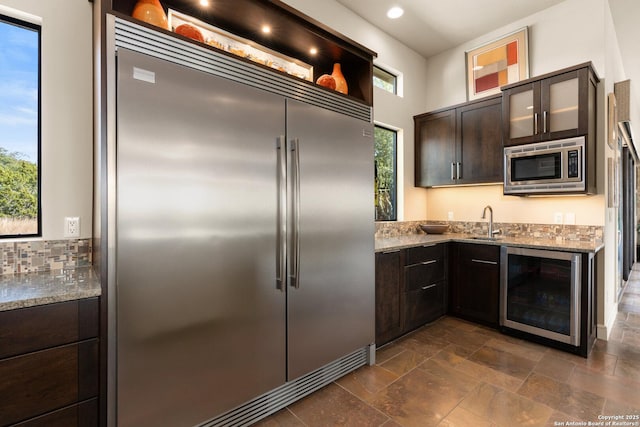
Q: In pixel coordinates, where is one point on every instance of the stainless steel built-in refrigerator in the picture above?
(244, 241)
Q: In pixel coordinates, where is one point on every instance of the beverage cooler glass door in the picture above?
(540, 293)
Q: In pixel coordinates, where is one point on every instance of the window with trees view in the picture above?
(19, 128)
(385, 173)
(385, 80)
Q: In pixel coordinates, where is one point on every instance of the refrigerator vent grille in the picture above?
(145, 40)
(288, 393)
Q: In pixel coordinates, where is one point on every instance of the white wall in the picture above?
(67, 111)
(567, 34)
(396, 112)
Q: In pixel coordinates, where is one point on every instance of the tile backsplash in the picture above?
(44, 255)
(581, 233)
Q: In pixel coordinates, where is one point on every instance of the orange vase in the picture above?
(151, 11)
(341, 83)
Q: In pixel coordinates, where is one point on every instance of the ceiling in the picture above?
(433, 26)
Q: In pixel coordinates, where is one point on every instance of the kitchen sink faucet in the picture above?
(484, 214)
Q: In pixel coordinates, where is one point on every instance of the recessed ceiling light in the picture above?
(395, 12)
(313, 51)
(204, 3)
(266, 29)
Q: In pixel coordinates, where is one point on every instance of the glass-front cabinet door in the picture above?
(551, 108)
(523, 106)
(563, 106)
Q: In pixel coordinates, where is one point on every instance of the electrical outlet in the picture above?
(570, 218)
(557, 218)
(72, 226)
(450, 216)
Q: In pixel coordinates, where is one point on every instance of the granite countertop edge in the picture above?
(34, 289)
(413, 240)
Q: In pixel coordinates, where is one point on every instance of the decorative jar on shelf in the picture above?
(151, 12)
(341, 83)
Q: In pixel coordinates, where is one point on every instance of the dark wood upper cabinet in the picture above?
(293, 34)
(553, 106)
(460, 145)
(479, 142)
(434, 151)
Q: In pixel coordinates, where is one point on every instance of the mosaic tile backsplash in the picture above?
(582, 233)
(47, 255)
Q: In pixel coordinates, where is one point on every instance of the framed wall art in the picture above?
(497, 63)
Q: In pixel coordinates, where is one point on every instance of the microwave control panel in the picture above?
(573, 164)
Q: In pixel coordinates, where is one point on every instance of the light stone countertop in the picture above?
(32, 289)
(413, 240)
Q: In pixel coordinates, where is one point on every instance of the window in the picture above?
(385, 173)
(385, 80)
(19, 128)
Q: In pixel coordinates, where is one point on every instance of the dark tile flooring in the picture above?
(455, 373)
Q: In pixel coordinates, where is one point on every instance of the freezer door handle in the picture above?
(295, 213)
(281, 237)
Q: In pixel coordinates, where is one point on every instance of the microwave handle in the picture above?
(535, 123)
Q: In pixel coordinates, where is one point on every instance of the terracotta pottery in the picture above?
(151, 11)
(341, 83)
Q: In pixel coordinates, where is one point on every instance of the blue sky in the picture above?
(19, 90)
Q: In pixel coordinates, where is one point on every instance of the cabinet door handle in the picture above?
(458, 174)
(424, 288)
(391, 252)
(431, 261)
(535, 123)
(453, 171)
(428, 246)
(544, 122)
(481, 261)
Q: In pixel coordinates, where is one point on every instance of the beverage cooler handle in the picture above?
(295, 207)
(281, 233)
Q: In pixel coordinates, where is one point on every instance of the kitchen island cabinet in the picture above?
(460, 145)
(49, 365)
(475, 282)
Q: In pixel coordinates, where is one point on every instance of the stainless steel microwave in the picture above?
(545, 167)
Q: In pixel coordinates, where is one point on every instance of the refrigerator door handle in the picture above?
(281, 233)
(295, 213)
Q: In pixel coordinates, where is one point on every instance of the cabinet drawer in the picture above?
(418, 276)
(40, 382)
(83, 414)
(478, 253)
(424, 253)
(425, 305)
(36, 328)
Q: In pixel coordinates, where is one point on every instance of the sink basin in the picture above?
(492, 239)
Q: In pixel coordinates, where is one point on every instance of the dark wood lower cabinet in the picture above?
(78, 415)
(411, 289)
(389, 296)
(425, 305)
(475, 282)
(52, 381)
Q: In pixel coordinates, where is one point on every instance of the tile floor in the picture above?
(456, 373)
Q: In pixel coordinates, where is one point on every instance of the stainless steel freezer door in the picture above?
(331, 308)
(200, 320)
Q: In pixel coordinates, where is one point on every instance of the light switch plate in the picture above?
(450, 216)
